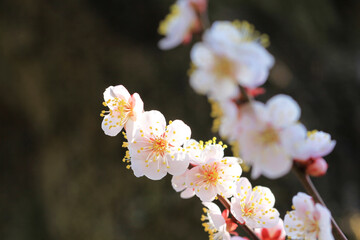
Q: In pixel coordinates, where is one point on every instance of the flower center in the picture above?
(248, 210)
(223, 68)
(118, 109)
(269, 136)
(159, 145)
(210, 173)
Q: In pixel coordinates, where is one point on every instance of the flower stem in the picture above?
(311, 189)
(225, 202)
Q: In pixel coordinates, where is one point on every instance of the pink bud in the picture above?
(317, 168)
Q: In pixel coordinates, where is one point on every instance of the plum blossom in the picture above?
(218, 225)
(124, 109)
(229, 55)
(308, 220)
(310, 151)
(179, 184)
(275, 233)
(156, 149)
(267, 135)
(179, 24)
(254, 206)
(215, 173)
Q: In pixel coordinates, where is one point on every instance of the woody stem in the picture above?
(225, 202)
(311, 189)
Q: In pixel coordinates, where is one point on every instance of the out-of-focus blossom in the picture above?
(218, 225)
(310, 152)
(215, 174)
(267, 134)
(228, 56)
(254, 206)
(308, 220)
(274, 233)
(179, 24)
(156, 149)
(124, 109)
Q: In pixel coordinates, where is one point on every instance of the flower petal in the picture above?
(283, 110)
(110, 127)
(177, 133)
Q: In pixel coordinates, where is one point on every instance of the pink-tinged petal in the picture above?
(269, 218)
(236, 210)
(202, 56)
(194, 152)
(324, 222)
(275, 162)
(201, 81)
(152, 122)
(130, 128)
(178, 163)
(179, 182)
(187, 193)
(118, 91)
(283, 110)
(206, 194)
(155, 170)
(264, 196)
(177, 133)
(294, 227)
(303, 204)
(243, 188)
(110, 127)
(138, 106)
(213, 152)
(138, 167)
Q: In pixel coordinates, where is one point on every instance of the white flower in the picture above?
(218, 226)
(267, 133)
(155, 149)
(309, 220)
(123, 109)
(226, 58)
(315, 144)
(254, 207)
(215, 174)
(274, 233)
(178, 24)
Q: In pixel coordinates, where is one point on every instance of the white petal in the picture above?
(138, 167)
(224, 89)
(201, 81)
(155, 170)
(275, 162)
(264, 193)
(179, 182)
(152, 121)
(294, 226)
(320, 143)
(303, 204)
(187, 193)
(177, 133)
(202, 56)
(236, 209)
(283, 110)
(118, 91)
(213, 151)
(293, 140)
(213, 208)
(178, 163)
(324, 222)
(110, 127)
(243, 188)
(138, 106)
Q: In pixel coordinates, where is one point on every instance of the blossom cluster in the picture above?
(230, 65)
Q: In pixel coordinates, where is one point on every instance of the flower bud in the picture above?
(317, 168)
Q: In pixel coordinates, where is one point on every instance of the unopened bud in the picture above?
(317, 168)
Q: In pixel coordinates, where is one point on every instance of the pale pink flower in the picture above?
(178, 25)
(156, 149)
(214, 175)
(124, 109)
(254, 206)
(228, 57)
(267, 134)
(275, 233)
(179, 185)
(308, 220)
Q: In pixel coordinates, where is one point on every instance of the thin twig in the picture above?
(225, 202)
(311, 189)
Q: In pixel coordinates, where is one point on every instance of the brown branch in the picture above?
(225, 202)
(311, 189)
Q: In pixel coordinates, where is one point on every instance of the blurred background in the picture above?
(62, 178)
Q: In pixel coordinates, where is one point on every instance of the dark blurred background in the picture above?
(62, 178)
